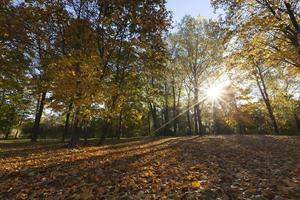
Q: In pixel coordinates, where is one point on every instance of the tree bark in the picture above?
(85, 132)
(17, 133)
(238, 121)
(174, 110)
(166, 113)
(74, 141)
(149, 123)
(195, 121)
(199, 120)
(67, 123)
(120, 124)
(6, 135)
(292, 16)
(188, 115)
(38, 116)
(3, 96)
(106, 129)
(154, 117)
(297, 120)
(197, 112)
(263, 90)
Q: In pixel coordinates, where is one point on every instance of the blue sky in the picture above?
(180, 8)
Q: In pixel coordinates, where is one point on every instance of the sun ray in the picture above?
(214, 92)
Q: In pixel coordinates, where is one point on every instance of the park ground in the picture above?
(209, 167)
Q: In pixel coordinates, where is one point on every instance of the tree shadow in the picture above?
(82, 168)
(248, 163)
(163, 166)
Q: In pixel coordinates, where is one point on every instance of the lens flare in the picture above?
(214, 92)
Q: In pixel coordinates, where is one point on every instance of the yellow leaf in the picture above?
(196, 184)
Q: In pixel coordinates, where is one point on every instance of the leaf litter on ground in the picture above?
(209, 167)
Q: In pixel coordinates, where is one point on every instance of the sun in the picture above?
(213, 92)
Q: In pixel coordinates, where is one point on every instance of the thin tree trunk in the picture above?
(177, 109)
(38, 116)
(6, 135)
(149, 123)
(108, 124)
(197, 114)
(162, 114)
(195, 121)
(297, 120)
(85, 136)
(3, 96)
(120, 125)
(174, 111)
(154, 117)
(199, 120)
(17, 133)
(188, 115)
(106, 129)
(263, 90)
(85, 133)
(166, 113)
(238, 121)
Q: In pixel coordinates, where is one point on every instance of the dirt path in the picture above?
(211, 167)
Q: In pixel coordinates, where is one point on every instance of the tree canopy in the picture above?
(116, 69)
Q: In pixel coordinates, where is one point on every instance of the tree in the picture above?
(105, 45)
(276, 21)
(40, 29)
(199, 49)
(175, 78)
(15, 58)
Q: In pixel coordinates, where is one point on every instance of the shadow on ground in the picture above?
(210, 167)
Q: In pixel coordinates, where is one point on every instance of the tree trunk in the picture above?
(294, 36)
(67, 123)
(106, 129)
(162, 115)
(85, 133)
(297, 120)
(174, 111)
(3, 96)
(213, 120)
(195, 121)
(199, 120)
(197, 113)
(272, 117)
(17, 133)
(149, 123)
(120, 125)
(238, 121)
(108, 124)
(188, 115)
(263, 90)
(6, 135)
(166, 113)
(74, 141)
(154, 117)
(38, 116)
